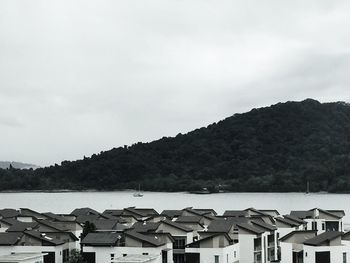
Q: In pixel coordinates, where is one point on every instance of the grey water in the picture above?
(65, 202)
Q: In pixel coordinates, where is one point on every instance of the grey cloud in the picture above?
(85, 76)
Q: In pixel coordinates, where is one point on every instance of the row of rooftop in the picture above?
(188, 235)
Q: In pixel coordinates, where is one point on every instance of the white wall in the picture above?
(286, 252)
(336, 253)
(5, 250)
(226, 254)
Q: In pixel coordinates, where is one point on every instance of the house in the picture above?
(8, 213)
(257, 242)
(182, 236)
(33, 241)
(308, 247)
(23, 258)
(213, 248)
(109, 246)
(321, 220)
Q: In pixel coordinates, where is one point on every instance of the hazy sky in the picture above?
(79, 77)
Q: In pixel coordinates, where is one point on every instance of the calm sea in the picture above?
(67, 201)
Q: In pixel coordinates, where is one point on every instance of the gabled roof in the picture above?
(264, 225)
(145, 226)
(212, 235)
(84, 218)
(44, 238)
(113, 212)
(10, 239)
(302, 214)
(8, 213)
(61, 218)
(323, 239)
(206, 210)
(221, 225)
(189, 219)
(176, 225)
(28, 212)
(85, 211)
(143, 238)
(250, 228)
(143, 212)
(268, 211)
(235, 213)
(294, 219)
(171, 213)
(340, 213)
(101, 239)
(108, 224)
(285, 237)
(22, 226)
(286, 221)
(52, 225)
(335, 215)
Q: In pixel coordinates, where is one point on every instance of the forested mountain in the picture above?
(277, 148)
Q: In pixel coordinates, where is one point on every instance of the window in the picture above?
(323, 226)
(234, 254)
(145, 254)
(257, 244)
(112, 257)
(65, 255)
(344, 257)
(179, 243)
(216, 259)
(314, 225)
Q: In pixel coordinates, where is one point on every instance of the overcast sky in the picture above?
(79, 77)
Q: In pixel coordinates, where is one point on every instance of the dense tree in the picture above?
(277, 148)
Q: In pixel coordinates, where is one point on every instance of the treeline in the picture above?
(272, 149)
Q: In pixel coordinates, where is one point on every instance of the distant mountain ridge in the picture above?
(17, 165)
(272, 149)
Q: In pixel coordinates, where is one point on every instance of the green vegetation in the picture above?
(277, 148)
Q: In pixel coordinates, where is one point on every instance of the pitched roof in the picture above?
(249, 227)
(143, 212)
(189, 219)
(294, 219)
(84, 218)
(145, 226)
(264, 225)
(10, 239)
(323, 239)
(85, 211)
(171, 213)
(221, 225)
(302, 214)
(285, 237)
(8, 213)
(22, 226)
(212, 235)
(44, 238)
(286, 221)
(335, 215)
(54, 226)
(340, 213)
(148, 239)
(236, 213)
(176, 225)
(108, 224)
(101, 239)
(113, 212)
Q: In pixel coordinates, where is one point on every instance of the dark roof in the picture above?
(56, 217)
(85, 211)
(44, 238)
(302, 214)
(323, 239)
(236, 213)
(287, 221)
(249, 227)
(221, 225)
(171, 213)
(189, 219)
(148, 239)
(22, 226)
(101, 239)
(108, 224)
(211, 235)
(145, 226)
(264, 225)
(205, 210)
(340, 213)
(176, 225)
(52, 225)
(10, 239)
(329, 213)
(266, 211)
(9, 221)
(8, 213)
(294, 219)
(297, 232)
(113, 212)
(84, 218)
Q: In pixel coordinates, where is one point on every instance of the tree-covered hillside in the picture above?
(277, 148)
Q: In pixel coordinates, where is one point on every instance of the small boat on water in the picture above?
(138, 194)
